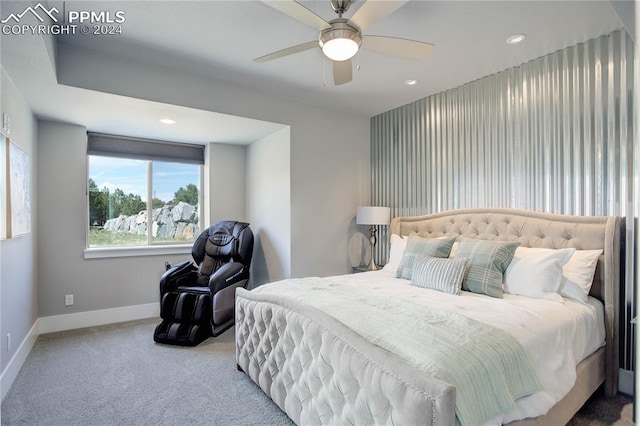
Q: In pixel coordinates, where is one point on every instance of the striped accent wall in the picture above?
(552, 135)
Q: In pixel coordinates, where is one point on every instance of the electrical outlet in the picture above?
(8, 342)
(68, 300)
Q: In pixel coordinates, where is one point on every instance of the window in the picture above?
(142, 192)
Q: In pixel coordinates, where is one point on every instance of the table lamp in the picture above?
(373, 216)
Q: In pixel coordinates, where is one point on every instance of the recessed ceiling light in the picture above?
(516, 38)
(411, 82)
(167, 121)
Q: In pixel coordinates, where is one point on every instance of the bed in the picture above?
(319, 368)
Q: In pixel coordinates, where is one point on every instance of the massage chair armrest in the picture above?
(228, 274)
(181, 274)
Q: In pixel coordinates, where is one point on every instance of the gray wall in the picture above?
(552, 135)
(18, 276)
(62, 218)
(269, 202)
(225, 177)
(107, 282)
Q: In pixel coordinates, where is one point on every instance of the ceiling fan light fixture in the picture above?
(340, 42)
(340, 49)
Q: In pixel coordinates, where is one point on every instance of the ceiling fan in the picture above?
(340, 39)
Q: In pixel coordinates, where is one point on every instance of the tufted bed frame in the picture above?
(283, 345)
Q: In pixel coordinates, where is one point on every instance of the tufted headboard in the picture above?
(536, 229)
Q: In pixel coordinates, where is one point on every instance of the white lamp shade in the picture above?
(370, 215)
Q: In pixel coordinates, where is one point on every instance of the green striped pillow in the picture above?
(488, 260)
(439, 274)
(417, 246)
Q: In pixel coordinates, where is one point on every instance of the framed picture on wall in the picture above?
(4, 178)
(19, 192)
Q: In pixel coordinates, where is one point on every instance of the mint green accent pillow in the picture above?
(417, 247)
(488, 261)
(439, 274)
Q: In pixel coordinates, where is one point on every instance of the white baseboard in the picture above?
(69, 322)
(625, 381)
(17, 360)
(100, 317)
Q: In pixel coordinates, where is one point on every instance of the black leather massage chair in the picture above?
(198, 301)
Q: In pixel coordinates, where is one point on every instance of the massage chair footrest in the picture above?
(186, 317)
(181, 334)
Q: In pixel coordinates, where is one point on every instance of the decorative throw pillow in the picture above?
(536, 271)
(398, 245)
(488, 260)
(442, 274)
(578, 274)
(417, 246)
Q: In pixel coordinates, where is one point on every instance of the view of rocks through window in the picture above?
(179, 222)
(119, 219)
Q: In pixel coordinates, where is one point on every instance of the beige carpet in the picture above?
(117, 375)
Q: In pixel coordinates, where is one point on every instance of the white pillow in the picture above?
(578, 274)
(398, 244)
(535, 272)
(454, 249)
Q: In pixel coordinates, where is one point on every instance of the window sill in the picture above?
(107, 252)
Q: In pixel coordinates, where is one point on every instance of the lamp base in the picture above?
(371, 267)
(372, 241)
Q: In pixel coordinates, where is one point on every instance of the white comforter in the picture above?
(556, 334)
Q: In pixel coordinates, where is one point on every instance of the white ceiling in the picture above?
(220, 39)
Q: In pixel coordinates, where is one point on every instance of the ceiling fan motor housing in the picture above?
(340, 6)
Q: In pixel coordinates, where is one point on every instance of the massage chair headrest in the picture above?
(224, 241)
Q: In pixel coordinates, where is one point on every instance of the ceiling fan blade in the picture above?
(342, 72)
(288, 51)
(400, 47)
(374, 10)
(299, 12)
